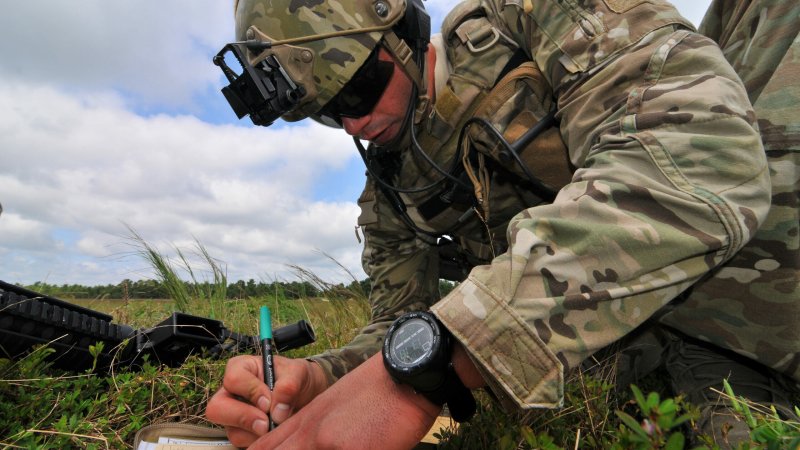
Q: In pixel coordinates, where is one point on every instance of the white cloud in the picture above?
(158, 52)
(26, 234)
(90, 166)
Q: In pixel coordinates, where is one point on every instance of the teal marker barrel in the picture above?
(265, 331)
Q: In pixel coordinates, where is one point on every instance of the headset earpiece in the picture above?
(415, 27)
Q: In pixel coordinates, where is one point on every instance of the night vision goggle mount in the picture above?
(264, 91)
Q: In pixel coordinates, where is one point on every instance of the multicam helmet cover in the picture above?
(320, 43)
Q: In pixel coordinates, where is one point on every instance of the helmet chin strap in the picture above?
(413, 64)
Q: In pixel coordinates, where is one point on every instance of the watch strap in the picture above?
(459, 399)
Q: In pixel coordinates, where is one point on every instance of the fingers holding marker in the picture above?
(243, 421)
(244, 392)
(243, 377)
(300, 381)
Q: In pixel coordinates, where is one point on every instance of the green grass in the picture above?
(41, 407)
(44, 408)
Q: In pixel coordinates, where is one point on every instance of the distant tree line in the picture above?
(151, 289)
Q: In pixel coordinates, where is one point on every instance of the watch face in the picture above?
(411, 343)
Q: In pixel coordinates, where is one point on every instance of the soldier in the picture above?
(584, 164)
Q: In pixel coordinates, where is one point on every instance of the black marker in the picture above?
(265, 329)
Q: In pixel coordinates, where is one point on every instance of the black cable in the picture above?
(409, 122)
(544, 191)
(378, 177)
(448, 174)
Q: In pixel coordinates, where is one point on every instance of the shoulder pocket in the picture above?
(462, 11)
(516, 104)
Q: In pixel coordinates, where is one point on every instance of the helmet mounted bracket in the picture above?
(261, 90)
(297, 61)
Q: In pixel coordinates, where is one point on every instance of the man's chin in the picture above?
(389, 136)
(382, 138)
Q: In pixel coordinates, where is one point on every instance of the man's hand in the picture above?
(241, 404)
(365, 409)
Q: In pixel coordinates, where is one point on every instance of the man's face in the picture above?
(385, 121)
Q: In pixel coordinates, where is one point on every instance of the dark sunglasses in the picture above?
(359, 96)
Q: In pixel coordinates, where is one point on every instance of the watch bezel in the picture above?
(430, 373)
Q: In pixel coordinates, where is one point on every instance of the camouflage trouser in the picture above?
(696, 369)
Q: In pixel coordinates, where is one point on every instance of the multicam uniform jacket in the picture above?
(670, 180)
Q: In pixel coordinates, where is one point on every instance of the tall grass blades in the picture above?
(187, 296)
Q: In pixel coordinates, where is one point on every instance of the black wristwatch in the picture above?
(417, 351)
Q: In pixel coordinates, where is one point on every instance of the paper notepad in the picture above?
(177, 436)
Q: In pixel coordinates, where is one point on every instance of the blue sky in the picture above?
(110, 116)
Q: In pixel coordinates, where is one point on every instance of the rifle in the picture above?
(29, 318)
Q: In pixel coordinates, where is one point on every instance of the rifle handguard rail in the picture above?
(28, 318)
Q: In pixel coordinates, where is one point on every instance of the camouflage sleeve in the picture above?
(671, 182)
(404, 272)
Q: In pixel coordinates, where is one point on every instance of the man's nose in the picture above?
(354, 126)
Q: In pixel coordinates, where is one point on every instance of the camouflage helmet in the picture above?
(322, 43)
